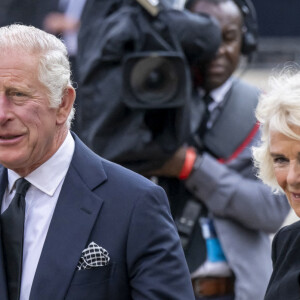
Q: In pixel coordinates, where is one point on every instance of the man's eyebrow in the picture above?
(17, 89)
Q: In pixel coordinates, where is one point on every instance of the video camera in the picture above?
(135, 84)
(155, 78)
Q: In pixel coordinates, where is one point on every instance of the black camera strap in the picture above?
(235, 122)
(188, 219)
(190, 232)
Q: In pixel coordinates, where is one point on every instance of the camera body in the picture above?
(135, 80)
(156, 78)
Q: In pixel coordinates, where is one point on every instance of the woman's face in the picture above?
(285, 153)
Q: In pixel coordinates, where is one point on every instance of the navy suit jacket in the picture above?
(285, 280)
(125, 214)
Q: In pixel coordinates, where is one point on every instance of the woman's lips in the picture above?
(295, 196)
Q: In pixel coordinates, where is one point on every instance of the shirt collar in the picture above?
(48, 176)
(219, 93)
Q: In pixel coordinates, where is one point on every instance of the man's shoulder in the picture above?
(131, 177)
(87, 161)
(242, 85)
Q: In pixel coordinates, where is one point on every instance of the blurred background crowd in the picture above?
(278, 34)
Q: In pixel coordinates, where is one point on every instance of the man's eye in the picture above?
(17, 97)
(18, 94)
(231, 35)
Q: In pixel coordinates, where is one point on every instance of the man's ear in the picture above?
(66, 105)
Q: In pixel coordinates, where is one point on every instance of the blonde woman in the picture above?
(278, 162)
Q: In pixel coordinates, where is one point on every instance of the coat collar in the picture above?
(73, 219)
(3, 287)
(75, 214)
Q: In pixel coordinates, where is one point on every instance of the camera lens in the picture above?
(154, 79)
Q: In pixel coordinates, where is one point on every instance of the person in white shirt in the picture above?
(73, 225)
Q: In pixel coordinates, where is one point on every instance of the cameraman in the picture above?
(239, 211)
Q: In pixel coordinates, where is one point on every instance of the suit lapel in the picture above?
(3, 287)
(75, 214)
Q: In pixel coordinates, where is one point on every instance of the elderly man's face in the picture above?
(29, 128)
(285, 153)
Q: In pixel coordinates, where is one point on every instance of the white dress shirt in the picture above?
(41, 198)
(218, 96)
(219, 93)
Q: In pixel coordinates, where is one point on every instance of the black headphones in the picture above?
(250, 35)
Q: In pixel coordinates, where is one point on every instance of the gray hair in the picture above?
(277, 109)
(54, 67)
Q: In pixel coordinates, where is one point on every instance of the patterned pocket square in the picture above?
(93, 256)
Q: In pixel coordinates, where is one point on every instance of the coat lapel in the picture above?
(3, 287)
(75, 214)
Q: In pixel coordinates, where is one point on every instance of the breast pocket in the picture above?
(92, 284)
(93, 275)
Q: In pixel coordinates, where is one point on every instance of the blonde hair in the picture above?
(277, 109)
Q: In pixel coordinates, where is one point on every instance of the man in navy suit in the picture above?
(92, 229)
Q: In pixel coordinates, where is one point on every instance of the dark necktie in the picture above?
(203, 125)
(12, 228)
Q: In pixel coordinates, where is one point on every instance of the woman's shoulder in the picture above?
(290, 227)
(288, 234)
